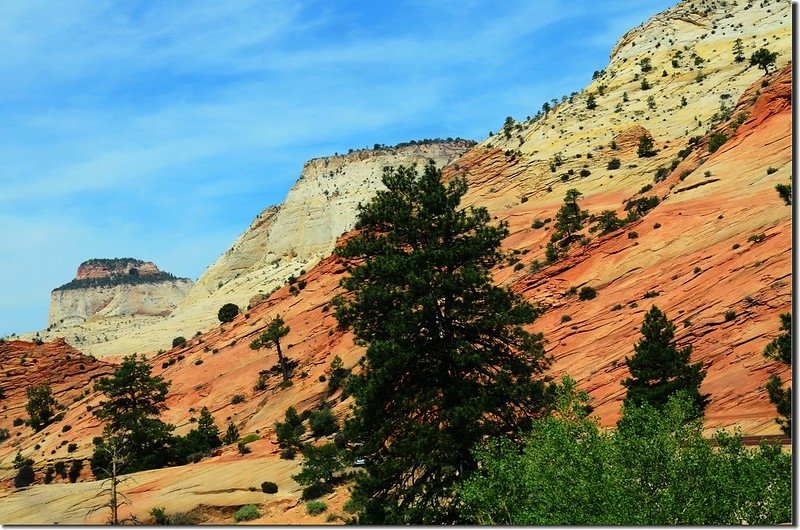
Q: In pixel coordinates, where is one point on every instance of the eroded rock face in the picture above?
(116, 287)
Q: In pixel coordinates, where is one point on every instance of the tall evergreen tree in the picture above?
(570, 217)
(134, 400)
(447, 362)
(780, 349)
(276, 330)
(40, 407)
(659, 368)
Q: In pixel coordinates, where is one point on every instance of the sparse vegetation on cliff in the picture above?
(120, 279)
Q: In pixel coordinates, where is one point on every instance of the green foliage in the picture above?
(269, 487)
(587, 293)
(716, 141)
(654, 469)
(289, 432)
(227, 313)
(645, 65)
(591, 102)
(178, 341)
(231, 435)
(551, 253)
(320, 464)
(738, 51)
(763, 58)
(780, 349)
(119, 279)
(614, 163)
(659, 369)
(75, 470)
(249, 438)
(316, 507)
(785, 192)
(276, 330)
(134, 400)
(337, 374)
(25, 473)
(323, 422)
(4, 435)
(204, 437)
(645, 148)
(607, 222)
(447, 362)
(40, 407)
(238, 398)
(639, 207)
(247, 512)
(570, 217)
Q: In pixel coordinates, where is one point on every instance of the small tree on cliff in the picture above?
(780, 349)
(134, 401)
(660, 369)
(763, 58)
(447, 362)
(272, 336)
(40, 407)
(570, 217)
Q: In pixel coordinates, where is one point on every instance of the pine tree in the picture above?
(134, 400)
(447, 362)
(231, 435)
(206, 436)
(40, 407)
(780, 349)
(738, 51)
(570, 217)
(645, 148)
(763, 58)
(659, 368)
(276, 330)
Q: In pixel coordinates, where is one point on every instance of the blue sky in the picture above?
(159, 129)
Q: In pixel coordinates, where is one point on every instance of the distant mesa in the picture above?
(116, 287)
(109, 272)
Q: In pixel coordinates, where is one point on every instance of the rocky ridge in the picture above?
(282, 241)
(116, 287)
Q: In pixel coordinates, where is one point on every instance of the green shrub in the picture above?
(716, 141)
(632, 234)
(238, 398)
(655, 468)
(757, 238)
(316, 507)
(616, 307)
(651, 294)
(730, 315)
(323, 422)
(771, 170)
(18, 421)
(565, 318)
(269, 487)
(587, 293)
(249, 438)
(614, 163)
(243, 449)
(645, 148)
(247, 512)
(585, 173)
(75, 470)
(178, 341)
(227, 313)
(537, 224)
(159, 515)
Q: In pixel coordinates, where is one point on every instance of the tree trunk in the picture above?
(282, 360)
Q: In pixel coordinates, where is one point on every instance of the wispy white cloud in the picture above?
(159, 129)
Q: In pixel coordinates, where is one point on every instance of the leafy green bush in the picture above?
(323, 422)
(238, 398)
(645, 148)
(248, 438)
(716, 141)
(730, 315)
(614, 163)
(178, 341)
(316, 507)
(227, 313)
(654, 469)
(247, 512)
(587, 293)
(269, 487)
